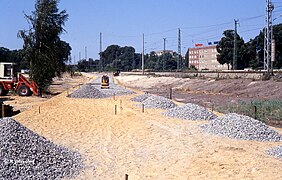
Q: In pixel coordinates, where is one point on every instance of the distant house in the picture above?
(205, 58)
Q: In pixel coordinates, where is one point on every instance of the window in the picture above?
(7, 70)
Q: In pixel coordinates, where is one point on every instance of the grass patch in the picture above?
(262, 110)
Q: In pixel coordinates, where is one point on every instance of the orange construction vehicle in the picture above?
(10, 81)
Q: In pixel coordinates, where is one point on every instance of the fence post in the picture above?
(126, 177)
(143, 108)
(115, 109)
(170, 93)
(255, 108)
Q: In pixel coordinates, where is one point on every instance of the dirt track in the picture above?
(145, 145)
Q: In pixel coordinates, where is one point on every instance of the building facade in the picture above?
(205, 58)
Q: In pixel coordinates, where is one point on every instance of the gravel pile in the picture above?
(115, 90)
(87, 91)
(26, 155)
(241, 127)
(158, 102)
(190, 112)
(277, 152)
(141, 97)
(93, 90)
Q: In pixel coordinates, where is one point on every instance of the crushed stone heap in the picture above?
(190, 111)
(241, 127)
(158, 102)
(93, 90)
(276, 152)
(26, 155)
(87, 91)
(141, 97)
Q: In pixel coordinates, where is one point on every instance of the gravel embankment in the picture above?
(87, 91)
(26, 155)
(141, 97)
(276, 151)
(241, 127)
(190, 112)
(158, 102)
(93, 90)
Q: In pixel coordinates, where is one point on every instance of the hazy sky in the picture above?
(122, 22)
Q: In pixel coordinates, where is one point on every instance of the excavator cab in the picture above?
(105, 82)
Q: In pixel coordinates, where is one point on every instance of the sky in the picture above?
(122, 22)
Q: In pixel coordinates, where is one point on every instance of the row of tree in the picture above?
(15, 56)
(125, 59)
(250, 54)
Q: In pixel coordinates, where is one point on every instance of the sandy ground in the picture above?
(59, 85)
(145, 145)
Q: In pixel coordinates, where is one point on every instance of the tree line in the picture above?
(251, 53)
(126, 59)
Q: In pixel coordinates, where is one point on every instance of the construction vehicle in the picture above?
(116, 73)
(9, 80)
(105, 82)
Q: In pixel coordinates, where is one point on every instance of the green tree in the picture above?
(151, 61)
(225, 48)
(255, 48)
(277, 33)
(119, 58)
(43, 49)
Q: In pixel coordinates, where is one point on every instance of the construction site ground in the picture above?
(149, 145)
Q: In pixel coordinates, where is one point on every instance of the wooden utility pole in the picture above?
(235, 46)
(143, 51)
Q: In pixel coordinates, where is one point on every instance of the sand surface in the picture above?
(145, 145)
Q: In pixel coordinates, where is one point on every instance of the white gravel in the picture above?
(241, 127)
(27, 155)
(93, 90)
(276, 152)
(141, 97)
(190, 112)
(158, 102)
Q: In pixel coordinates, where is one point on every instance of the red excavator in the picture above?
(10, 81)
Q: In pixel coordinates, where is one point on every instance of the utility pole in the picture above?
(79, 56)
(164, 44)
(164, 54)
(100, 44)
(268, 35)
(235, 46)
(100, 53)
(179, 61)
(86, 53)
(143, 51)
